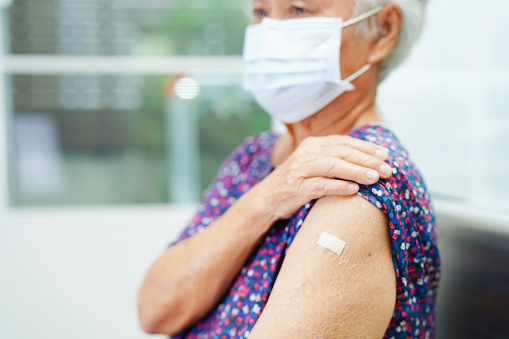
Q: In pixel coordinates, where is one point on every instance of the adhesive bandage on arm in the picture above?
(332, 243)
(340, 251)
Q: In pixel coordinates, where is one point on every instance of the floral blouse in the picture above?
(403, 198)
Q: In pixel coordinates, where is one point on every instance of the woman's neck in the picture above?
(341, 116)
(333, 123)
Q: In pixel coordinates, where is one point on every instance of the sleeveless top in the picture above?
(403, 198)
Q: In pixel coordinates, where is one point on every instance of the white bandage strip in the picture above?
(331, 242)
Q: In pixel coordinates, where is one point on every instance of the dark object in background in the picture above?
(473, 299)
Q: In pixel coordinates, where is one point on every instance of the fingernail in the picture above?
(381, 154)
(372, 175)
(353, 188)
(385, 170)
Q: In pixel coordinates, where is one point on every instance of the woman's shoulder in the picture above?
(254, 146)
(406, 185)
(404, 195)
(247, 164)
(405, 200)
(257, 142)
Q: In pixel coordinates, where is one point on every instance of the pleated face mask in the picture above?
(292, 67)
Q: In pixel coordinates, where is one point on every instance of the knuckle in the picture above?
(307, 171)
(322, 186)
(303, 168)
(329, 165)
(372, 162)
(333, 187)
(316, 187)
(347, 140)
(345, 152)
(292, 181)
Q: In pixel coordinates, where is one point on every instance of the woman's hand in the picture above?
(321, 166)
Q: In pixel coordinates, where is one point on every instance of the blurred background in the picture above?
(116, 114)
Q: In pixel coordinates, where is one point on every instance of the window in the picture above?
(90, 127)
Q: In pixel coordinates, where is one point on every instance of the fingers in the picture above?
(336, 168)
(320, 187)
(357, 157)
(361, 145)
(355, 151)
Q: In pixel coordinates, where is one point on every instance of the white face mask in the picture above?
(292, 67)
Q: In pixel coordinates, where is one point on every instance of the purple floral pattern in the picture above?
(403, 198)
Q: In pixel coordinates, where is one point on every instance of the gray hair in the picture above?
(411, 29)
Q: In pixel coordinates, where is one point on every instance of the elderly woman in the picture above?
(327, 231)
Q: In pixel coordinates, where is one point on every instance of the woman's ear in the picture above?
(389, 20)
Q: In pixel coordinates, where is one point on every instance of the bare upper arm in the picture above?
(317, 296)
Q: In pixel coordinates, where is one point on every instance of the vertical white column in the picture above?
(4, 152)
(182, 141)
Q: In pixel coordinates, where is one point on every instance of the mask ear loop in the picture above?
(362, 16)
(357, 74)
(355, 20)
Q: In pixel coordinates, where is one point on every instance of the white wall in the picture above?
(74, 273)
(448, 103)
